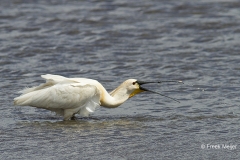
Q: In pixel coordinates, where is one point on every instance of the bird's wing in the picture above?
(61, 93)
(53, 80)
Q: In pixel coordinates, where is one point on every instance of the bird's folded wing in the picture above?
(61, 96)
(50, 81)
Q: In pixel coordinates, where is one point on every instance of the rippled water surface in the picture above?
(194, 41)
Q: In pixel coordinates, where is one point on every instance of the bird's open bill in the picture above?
(144, 89)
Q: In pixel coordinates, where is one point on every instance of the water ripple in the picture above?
(193, 41)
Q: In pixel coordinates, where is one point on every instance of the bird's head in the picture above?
(136, 87)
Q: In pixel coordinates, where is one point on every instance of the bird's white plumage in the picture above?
(65, 96)
(70, 96)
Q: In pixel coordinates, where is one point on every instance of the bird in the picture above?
(70, 96)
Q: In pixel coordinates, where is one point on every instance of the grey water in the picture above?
(196, 41)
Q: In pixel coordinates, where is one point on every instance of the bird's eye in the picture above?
(134, 83)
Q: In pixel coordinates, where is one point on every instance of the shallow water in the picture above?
(193, 41)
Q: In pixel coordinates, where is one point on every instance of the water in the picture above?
(194, 41)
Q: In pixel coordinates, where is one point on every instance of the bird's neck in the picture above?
(115, 98)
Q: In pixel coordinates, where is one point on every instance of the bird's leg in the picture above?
(73, 118)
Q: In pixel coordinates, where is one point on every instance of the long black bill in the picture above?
(143, 82)
(144, 89)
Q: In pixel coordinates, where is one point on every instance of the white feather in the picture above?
(69, 96)
(62, 95)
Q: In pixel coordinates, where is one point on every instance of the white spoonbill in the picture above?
(70, 96)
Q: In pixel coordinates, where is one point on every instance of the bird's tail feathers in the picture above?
(20, 101)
